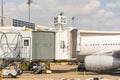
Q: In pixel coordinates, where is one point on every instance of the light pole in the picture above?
(29, 3)
(73, 18)
(2, 13)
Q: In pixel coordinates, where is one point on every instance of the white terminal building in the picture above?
(17, 23)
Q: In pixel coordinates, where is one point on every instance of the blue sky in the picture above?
(89, 14)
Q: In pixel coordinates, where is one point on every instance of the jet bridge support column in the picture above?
(48, 67)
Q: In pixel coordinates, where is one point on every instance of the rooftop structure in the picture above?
(17, 23)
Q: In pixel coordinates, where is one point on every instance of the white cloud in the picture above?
(79, 8)
(11, 9)
(92, 5)
(115, 22)
(53, 6)
(104, 24)
(22, 7)
(104, 13)
(113, 4)
(100, 17)
(109, 14)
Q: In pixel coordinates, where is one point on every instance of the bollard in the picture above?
(76, 71)
(84, 73)
(0, 74)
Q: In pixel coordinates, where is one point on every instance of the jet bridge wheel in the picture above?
(38, 70)
(10, 75)
(33, 64)
(81, 67)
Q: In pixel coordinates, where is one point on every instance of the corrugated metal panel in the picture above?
(74, 42)
(43, 45)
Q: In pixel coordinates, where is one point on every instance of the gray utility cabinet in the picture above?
(43, 45)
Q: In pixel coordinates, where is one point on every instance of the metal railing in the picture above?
(20, 52)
